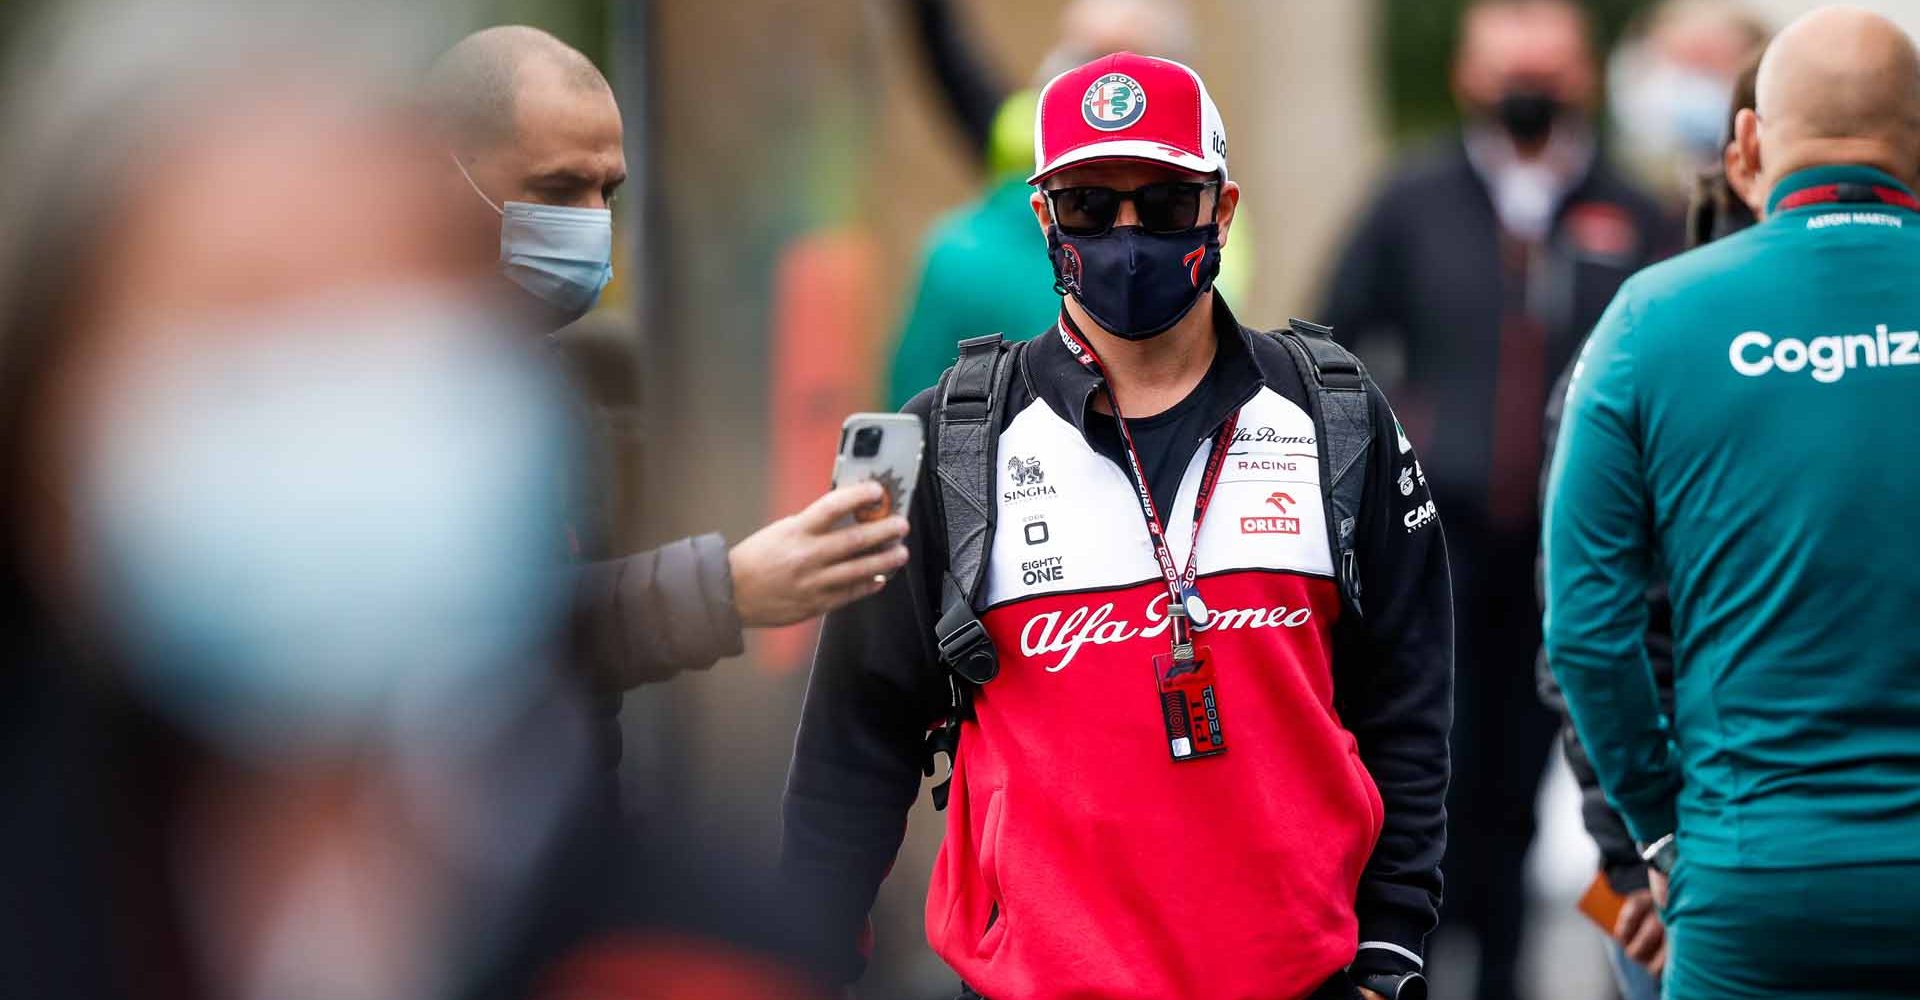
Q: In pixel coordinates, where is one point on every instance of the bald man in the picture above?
(534, 159)
(1741, 422)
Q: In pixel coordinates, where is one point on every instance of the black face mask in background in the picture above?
(1527, 114)
(1135, 284)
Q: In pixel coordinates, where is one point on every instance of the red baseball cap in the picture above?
(1128, 107)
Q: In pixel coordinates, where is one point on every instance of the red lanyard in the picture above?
(1829, 193)
(1183, 600)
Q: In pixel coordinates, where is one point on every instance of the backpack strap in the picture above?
(1336, 384)
(967, 412)
(966, 416)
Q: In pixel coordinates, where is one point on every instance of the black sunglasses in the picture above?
(1163, 207)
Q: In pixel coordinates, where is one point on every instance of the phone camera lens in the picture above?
(866, 442)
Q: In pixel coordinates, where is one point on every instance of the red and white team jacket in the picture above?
(1080, 859)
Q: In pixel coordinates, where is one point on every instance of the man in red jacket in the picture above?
(1161, 519)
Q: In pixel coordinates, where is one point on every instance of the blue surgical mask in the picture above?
(1666, 111)
(336, 526)
(561, 256)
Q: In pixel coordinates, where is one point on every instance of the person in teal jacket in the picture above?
(1741, 421)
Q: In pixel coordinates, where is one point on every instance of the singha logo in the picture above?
(1029, 483)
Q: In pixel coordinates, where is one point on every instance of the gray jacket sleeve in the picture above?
(646, 617)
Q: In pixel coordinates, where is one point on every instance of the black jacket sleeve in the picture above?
(875, 691)
(649, 616)
(1394, 690)
(1365, 300)
(972, 91)
(1619, 857)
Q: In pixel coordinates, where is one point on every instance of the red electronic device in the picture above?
(1190, 705)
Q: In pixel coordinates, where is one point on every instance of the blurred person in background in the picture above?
(1667, 91)
(1638, 951)
(534, 159)
(1468, 284)
(1090, 849)
(279, 593)
(1781, 793)
(983, 268)
(1723, 201)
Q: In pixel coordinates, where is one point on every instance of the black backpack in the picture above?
(968, 409)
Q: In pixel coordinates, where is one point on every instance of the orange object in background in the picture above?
(1602, 904)
(671, 967)
(824, 362)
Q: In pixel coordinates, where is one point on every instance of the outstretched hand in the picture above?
(803, 566)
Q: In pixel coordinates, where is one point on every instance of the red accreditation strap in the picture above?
(1823, 194)
(1182, 595)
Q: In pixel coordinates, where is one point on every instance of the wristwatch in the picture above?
(1396, 986)
(1661, 854)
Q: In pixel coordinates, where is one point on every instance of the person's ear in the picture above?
(1740, 175)
(1742, 160)
(1228, 202)
(1042, 212)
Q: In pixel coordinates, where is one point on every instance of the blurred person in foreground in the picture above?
(1782, 795)
(1721, 207)
(534, 159)
(1090, 850)
(982, 267)
(280, 590)
(1470, 280)
(1667, 91)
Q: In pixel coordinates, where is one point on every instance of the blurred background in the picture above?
(792, 160)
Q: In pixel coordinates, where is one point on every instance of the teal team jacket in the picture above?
(1742, 420)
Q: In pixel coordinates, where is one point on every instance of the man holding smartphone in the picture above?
(1206, 761)
(534, 160)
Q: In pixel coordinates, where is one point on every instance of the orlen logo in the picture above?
(1754, 354)
(1272, 525)
(1051, 633)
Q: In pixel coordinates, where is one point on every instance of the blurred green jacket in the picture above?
(985, 270)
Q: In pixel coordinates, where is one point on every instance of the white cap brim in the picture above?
(1133, 149)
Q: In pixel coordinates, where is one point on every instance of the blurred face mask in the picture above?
(1527, 114)
(561, 256)
(337, 525)
(1675, 110)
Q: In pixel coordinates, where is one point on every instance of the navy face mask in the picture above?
(1135, 284)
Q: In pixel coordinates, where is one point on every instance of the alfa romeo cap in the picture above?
(1131, 107)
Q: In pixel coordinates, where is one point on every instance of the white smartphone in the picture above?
(883, 447)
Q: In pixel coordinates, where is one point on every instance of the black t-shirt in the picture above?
(1166, 441)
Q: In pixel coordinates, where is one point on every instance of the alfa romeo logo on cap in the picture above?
(1114, 102)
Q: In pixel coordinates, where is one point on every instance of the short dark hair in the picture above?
(1714, 209)
(471, 89)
